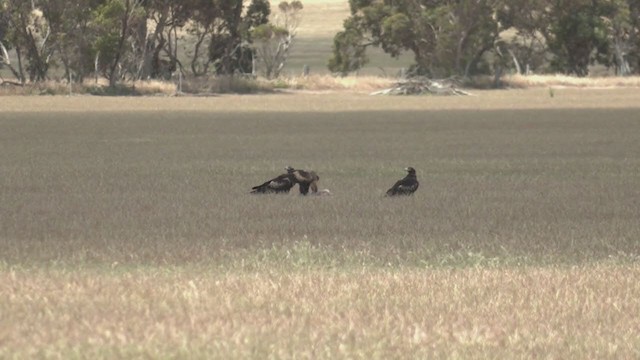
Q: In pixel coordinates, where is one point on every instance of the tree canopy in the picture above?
(464, 38)
(134, 39)
(143, 39)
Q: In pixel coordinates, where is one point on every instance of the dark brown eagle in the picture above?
(306, 180)
(406, 186)
(278, 185)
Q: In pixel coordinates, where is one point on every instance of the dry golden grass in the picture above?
(100, 87)
(476, 313)
(368, 83)
(532, 81)
(365, 84)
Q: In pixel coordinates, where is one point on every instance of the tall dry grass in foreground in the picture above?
(475, 313)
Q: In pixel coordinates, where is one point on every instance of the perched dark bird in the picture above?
(406, 186)
(278, 185)
(307, 180)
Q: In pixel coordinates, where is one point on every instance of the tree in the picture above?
(634, 36)
(160, 55)
(577, 36)
(530, 21)
(114, 21)
(270, 43)
(620, 28)
(201, 27)
(28, 34)
(446, 37)
(5, 42)
(467, 36)
(231, 47)
(349, 50)
(71, 36)
(273, 41)
(222, 35)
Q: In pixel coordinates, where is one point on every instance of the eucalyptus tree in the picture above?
(114, 22)
(230, 46)
(528, 21)
(569, 36)
(634, 36)
(220, 30)
(72, 34)
(446, 37)
(27, 32)
(577, 35)
(621, 26)
(166, 18)
(273, 41)
(6, 43)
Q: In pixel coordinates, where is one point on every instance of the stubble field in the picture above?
(127, 229)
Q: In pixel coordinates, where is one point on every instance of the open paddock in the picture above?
(127, 230)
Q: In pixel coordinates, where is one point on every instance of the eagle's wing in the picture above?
(282, 182)
(261, 185)
(302, 176)
(408, 186)
(394, 189)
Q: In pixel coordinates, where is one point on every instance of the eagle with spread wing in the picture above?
(406, 186)
(279, 185)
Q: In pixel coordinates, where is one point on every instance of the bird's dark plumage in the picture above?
(307, 180)
(406, 186)
(278, 185)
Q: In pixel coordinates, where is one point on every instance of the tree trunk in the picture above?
(622, 65)
(7, 61)
(515, 62)
(124, 30)
(475, 59)
(20, 66)
(196, 54)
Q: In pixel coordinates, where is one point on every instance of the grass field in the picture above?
(127, 229)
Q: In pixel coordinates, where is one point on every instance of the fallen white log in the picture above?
(422, 86)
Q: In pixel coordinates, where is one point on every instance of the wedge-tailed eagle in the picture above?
(406, 186)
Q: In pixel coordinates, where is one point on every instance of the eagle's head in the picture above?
(289, 169)
(410, 170)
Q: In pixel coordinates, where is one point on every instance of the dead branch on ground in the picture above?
(424, 86)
